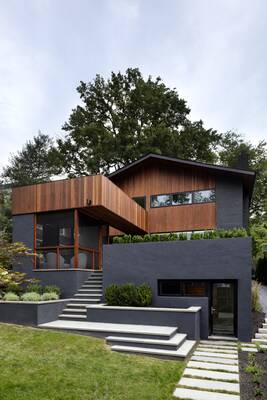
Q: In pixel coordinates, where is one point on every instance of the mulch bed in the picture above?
(247, 387)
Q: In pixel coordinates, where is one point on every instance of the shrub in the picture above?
(128, 295)
(9, 296)
(182, 236)
(261, 270)
(147, 238)
(112, 295)
(46, 296)
(137, 239)
(196, 236)
(14, 288)
(34, 287)
(31, 296)
(144, 293)
(255, 296)
(52, 289)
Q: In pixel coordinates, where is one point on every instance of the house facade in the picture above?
(70, 225)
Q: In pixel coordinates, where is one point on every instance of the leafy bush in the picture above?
(52, 289)
(144, 293)
(261, 270)
(255, 296)
(14, 288)
(46, 296)
(9, 296)
(155, 237)
(31, 296)
(128, 295)
(34, 287)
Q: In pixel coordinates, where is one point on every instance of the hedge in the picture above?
(154, 237)
(128, 295)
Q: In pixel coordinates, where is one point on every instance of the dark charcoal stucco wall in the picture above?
(220, 259)
(69, 281)
(229, 203)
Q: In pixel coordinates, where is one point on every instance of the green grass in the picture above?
(46, 365)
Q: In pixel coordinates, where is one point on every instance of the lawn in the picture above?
(46, 365)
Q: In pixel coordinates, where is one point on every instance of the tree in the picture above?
(35, 163)
(232, 148)
(125, 117)
(5, 211)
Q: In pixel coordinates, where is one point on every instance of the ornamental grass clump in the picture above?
(255, 296)
(31, 296)
(49, 296)
(9, 296)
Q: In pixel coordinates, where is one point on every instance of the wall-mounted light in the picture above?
(88, 202)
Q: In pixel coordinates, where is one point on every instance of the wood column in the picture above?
(76, 239)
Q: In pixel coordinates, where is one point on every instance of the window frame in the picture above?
(184, 192)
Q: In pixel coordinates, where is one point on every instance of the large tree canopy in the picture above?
(127, 116)
(35, 163)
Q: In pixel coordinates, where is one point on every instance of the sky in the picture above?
(214, 52)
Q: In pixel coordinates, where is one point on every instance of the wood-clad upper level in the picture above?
(95, 194)
(156, 179)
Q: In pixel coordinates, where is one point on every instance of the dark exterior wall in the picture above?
(221, 259)
(229, 203)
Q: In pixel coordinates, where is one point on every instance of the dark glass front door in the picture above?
(223, 309)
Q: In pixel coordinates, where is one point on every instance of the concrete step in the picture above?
(78, 306)
(204, 384)
(218, 343)
(74, 311)
(78, 317)
(108, 329)
(89, 293)
(87, 296)
(84, 300)
(190, 394)
(96, 280)
(182, 352)
(217, 350)
(91, 290)
(215, 355)
(223, 338)
(263, 330)
(260, 336)
(264, 326)
(214, 375)
(259, 340)
(212, 366)
(172, 344)
(214, 346)
(216, 360)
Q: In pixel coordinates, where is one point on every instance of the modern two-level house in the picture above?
(70, 224)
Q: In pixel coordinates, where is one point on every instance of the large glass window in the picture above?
(177, 199)
(176, 287)
(204, 196)
(55, 229)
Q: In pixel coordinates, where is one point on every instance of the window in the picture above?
(204, 196)
(141, 200)
(176, 287)
(181, 198)
(177, 199)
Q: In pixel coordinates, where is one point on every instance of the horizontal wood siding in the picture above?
(164, 179)
(97, 194)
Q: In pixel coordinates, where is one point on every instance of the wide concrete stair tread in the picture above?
(215, 355)
(189, 394)
(149, 330)
(259, 340)
(172, 343)
(216, 360)
(87, 295)
(212, 366)
(261, 335)
(73, 316)
(182, 352)
(215, 375)
(223, 338)
(74, 310)
(263, 330)
(210, 385)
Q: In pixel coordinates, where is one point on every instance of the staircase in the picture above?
(261, 336)
(90, 293)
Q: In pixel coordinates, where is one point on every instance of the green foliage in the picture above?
(34, 287)
(125, 117)
(261, 270)
(11, 297)
(46, 296)
(14, 287)
(31, 296)
(53, 289)
(128, 295)
(258, 232)
(11, 252)
(5, 212)
(238, 232)
(255, 296)
(35, 163)
(144, 294)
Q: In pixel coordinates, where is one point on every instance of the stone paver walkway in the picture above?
(212, 373)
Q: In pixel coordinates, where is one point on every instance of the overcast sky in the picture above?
(214, 52)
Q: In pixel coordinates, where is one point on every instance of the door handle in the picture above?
(213, 310)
